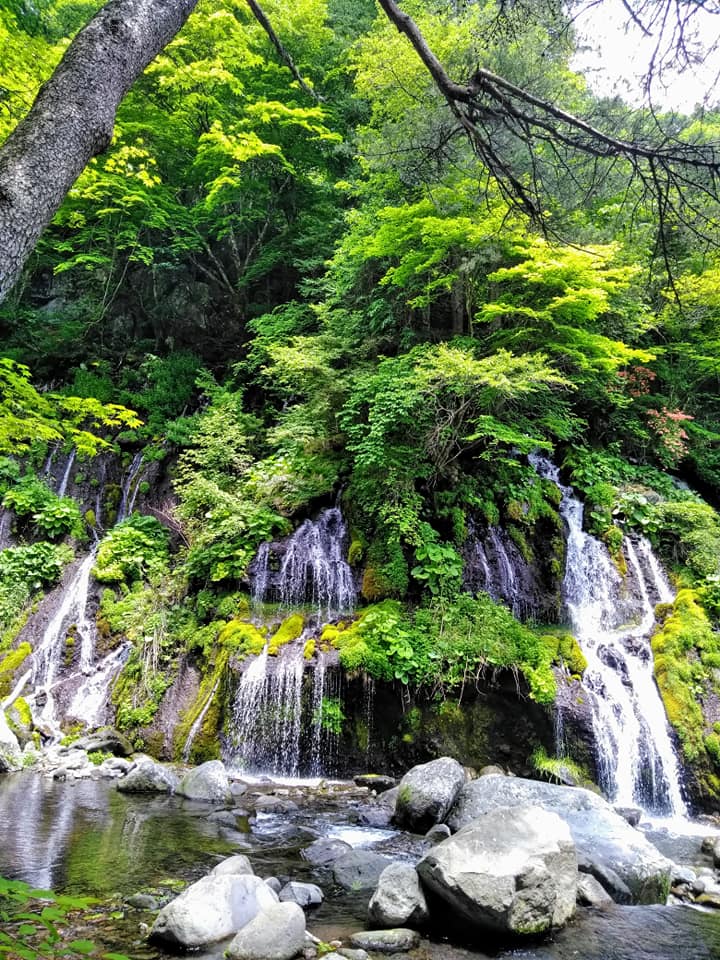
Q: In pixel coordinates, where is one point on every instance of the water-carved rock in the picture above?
(398, 900)
(427, 792)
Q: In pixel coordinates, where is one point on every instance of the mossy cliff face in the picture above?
(687, 668)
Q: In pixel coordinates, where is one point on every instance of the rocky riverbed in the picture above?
(488, 862)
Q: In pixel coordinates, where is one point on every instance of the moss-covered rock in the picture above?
(290, 629)
(241, 637)
(9, 664)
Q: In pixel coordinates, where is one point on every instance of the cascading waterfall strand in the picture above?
(612, 618)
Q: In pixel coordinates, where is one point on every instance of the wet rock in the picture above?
(491, 770)
(212, 909)
(324, 852)
(225, 818)
(399, 940)
(276, 933)
(208, 782)
(441, 831)
(142, 901)
(629, 867)
(375, 781)
(716, 853)
(631, 815)
(108, 741)
(238, 865)
(374, 815)
(708, 845)
(303, 894)
(351, 954)
(359, 869)
(274, 884)
(511, 871)
(590, 892)
(388, 799)
(270, 804)
(427, 792)
(710, 898)
(681, 874)
(148, 777)
(398, 900)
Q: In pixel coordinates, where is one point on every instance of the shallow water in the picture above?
(84, 837)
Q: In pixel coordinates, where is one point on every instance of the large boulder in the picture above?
(148, 777)
(215, 907)
(233, 866)
(324, 851)
(10, 752)
(208, 782)
(512, 871)
(628, 866)
(359, 869)
(303, 894)
(398, 900)
(427, 792)
(277, 933)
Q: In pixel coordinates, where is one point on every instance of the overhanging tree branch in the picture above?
(73, 117)
(663, 166)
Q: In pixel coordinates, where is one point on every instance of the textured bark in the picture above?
(73, 117)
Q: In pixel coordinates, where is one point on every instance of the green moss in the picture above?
(9, 664)
(290, 629)
(564, 650)
(309, 649)
(356, 551)
(242, 637)
(22, 708)
(682, 645)
(386, 574)
(560, 769)
(206, 744)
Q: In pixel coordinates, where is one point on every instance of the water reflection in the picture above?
(84, 837)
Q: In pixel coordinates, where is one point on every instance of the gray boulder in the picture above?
(629, 867)
(303, 894)
(590, 892)
(208, 782)
(427, 792)
(375, 781)
(511, 871)
(277, 933)
(398, 940)
(213, 908)
(398, 900)
(148, 777)
(324, 852)
(359, 869)
(10, 752)
(233, 866)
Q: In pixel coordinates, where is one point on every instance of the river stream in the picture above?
(86, 838)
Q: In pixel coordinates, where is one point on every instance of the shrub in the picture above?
(133, 550)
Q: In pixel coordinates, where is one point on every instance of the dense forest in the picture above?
(298, 281)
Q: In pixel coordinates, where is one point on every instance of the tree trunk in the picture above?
(73, 117)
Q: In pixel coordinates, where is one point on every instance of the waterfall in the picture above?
(197, 723)
(62, 488)
(612, 618)
(267, 714)
(130, 485)
(49, 653)
(261, 575)
(312, 570)
(91, 698)
(495, 565)
(5, 527)
(48, 657)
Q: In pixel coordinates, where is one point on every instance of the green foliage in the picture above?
(24, 570)
(136, 549)
(562, 770)
(330, 716)
(34, 921)
(446, 644)
(50, 516)
(28, 416)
